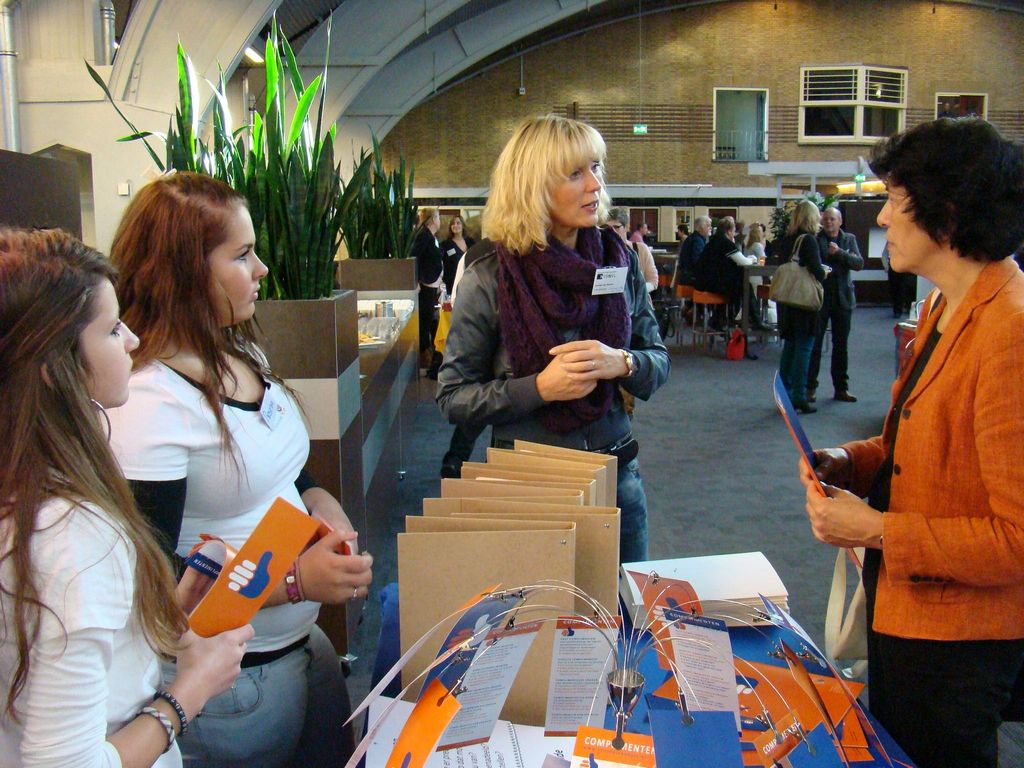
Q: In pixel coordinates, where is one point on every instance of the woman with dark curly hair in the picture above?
(943, 523)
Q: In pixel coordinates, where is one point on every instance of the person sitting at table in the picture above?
(754, 247)
(532, 351)
(943, 523)
(618, 222)
(690, 250)
(720, 268)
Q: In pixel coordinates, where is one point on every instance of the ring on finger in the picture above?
(355, 592)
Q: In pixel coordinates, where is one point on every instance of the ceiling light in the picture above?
(253, 56)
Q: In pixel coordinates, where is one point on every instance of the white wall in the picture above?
(60, 104)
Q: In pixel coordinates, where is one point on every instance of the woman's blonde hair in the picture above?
(806, 218)
(542, 152)
(426, 214)
(756, 234)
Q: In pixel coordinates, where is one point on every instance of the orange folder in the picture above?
(247, 580)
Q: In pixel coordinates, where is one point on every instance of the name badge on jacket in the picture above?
(609, 280)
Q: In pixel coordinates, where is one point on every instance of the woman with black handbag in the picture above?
(797, 325)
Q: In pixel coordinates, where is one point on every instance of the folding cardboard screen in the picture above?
(597, 537)
(443, 562)
(509, 489)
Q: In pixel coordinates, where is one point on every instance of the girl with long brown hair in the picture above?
(87, 599)
(208, 440)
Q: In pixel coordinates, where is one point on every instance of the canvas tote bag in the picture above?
(846, 636)
(795, 286)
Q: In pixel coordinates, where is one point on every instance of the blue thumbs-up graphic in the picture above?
(673, 611)
(249, 579)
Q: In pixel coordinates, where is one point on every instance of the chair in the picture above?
(674, 307)
(703, 303)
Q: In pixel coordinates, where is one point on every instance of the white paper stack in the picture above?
(728, 586)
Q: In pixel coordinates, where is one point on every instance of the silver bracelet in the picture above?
(164, 720)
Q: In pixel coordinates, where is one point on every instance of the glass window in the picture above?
(741, 124)
(851, 105)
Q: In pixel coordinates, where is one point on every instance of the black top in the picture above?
(450, 255)
(162, 502)
(428, 256)
(881, 485)
(793, 321)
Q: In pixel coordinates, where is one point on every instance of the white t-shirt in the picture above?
(166, 431)
(91, 669)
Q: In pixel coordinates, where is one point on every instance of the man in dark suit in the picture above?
(840, 252)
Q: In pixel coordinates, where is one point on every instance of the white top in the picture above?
(89, 682)
(647, 266)
(166, 431)
(756, 251)
(740, 260)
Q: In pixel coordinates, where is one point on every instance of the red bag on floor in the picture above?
(737, 346)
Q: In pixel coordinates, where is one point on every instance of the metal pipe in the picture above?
(107, 33)
(9, 77)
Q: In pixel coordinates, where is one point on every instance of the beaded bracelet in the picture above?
(164, 721)
(178, 709)
(298, 581)
(291, 584)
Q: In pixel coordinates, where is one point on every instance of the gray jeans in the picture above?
(290, 712)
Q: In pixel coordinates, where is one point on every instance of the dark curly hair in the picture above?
(964, 183)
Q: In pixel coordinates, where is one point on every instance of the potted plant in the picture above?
(379, 229)
(300, 209)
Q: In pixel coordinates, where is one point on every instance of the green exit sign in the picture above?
(860, 178)
(639, 129)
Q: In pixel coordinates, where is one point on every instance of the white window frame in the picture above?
(714, 122)
(861, 101)
(940, 94)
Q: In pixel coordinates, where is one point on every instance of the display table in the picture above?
(749, 271)
(751, 644)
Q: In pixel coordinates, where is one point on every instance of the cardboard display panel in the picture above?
(472, 489)
(586, 457)
(438, 571)
(531, 462)
(536, 478)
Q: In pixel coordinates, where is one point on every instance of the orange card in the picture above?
(666, 600)
(427, 721)
(247, 580)
(594, 748)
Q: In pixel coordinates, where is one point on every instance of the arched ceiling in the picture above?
(386, 56)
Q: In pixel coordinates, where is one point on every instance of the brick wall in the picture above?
(455, 137)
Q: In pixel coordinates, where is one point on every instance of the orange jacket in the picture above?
(953, 552)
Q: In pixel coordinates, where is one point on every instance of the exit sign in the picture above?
(639, 129)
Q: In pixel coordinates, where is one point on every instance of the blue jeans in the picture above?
(290, 712)
(632, 501)
(793, 365)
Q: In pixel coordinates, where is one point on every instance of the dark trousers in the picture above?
(832, 313)
(796, 355)
(460, 449)
(942, 701)
(428, 316)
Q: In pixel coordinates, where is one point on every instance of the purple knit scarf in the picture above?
(542, 294)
